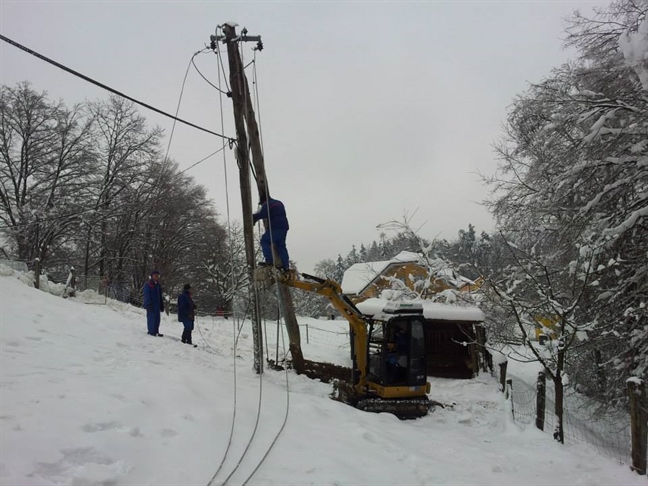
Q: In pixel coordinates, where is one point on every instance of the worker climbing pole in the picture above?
(244, 117)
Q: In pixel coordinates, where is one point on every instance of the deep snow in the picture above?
(88, 398)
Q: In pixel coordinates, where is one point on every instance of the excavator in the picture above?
(387, 349)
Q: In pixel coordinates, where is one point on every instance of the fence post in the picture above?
(509, 395)
(638, 426)
(503, 376)
(307, 341)
(481, 345)
(541, 386)
(37, 272)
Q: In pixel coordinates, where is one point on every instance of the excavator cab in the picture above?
(396, 373)
(397, 352)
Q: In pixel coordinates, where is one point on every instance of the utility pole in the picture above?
(244, 112)
(237, 86)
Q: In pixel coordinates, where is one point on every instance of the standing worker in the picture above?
(153, 303)
(186, 313)
(276, 230)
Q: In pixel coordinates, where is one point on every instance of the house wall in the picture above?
(445, 355)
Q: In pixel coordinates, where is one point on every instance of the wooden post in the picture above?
(638, 425)
(37, 272)
(503, 376)
(509, 395)
(541, 386)
(480, 334)
(242, 156)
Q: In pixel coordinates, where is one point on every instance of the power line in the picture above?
(229, 94)
(107, 88)
(184, 81)
(201, 160)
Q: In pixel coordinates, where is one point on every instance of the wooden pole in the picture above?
(242, 156)
(509, 395)
(285, 297)
(503, 376)
(541, 386)
(638, 423)
(37, 272)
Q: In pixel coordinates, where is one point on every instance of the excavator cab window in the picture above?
(397, 352)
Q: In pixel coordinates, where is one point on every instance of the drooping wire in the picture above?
(258, 414)
(276, 437)
(184, 82)
(257, 103)
(202, 160)
(207, 80)
(257, 311)
(221, 75)
(235, 336)
(165, 160)
(107, 88)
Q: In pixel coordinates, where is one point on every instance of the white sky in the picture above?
(369, 110)
(89, 399)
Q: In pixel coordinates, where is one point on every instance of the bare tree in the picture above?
(123, 149)
(46, 164)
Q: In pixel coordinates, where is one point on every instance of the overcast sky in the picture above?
(368, 110)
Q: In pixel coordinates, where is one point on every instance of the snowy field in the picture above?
(89, 399)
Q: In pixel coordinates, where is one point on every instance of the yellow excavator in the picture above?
(387, 350)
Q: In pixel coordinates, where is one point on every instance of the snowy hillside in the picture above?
(88, 398)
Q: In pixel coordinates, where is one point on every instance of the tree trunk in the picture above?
(86, 263)
(559, 433)
(638, 426)
(601, 380)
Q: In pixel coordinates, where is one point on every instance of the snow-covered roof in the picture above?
(407, 256)
(431, 310)
(359, 275)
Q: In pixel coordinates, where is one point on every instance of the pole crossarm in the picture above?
(229, 35)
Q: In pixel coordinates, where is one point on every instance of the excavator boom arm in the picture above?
(333, 292)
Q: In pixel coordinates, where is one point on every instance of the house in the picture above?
(367, 280)
(453, 333)
(453, 337)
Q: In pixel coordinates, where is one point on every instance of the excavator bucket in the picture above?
(266, 276)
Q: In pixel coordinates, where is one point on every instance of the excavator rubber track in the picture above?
(404, 409)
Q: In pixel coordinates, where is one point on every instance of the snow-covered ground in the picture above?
(89, 399)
